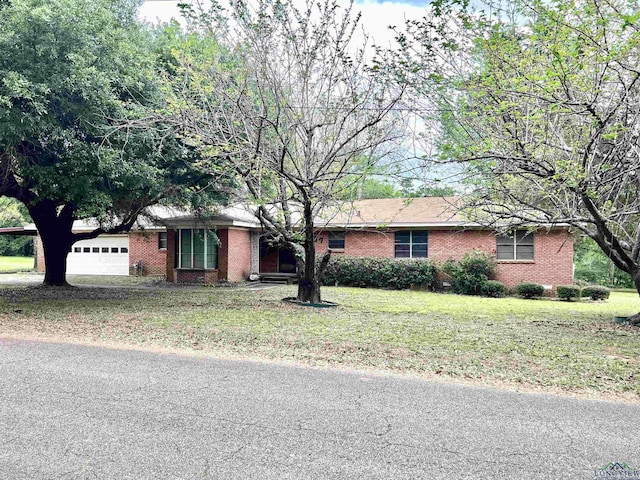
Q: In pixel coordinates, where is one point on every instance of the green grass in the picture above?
(16, 264)
(528, 344)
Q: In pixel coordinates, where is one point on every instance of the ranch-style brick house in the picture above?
(230, 246)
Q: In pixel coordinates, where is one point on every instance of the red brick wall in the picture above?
(195, 276)
(223, 254)
(171, 256)
(234, 254)
(361, 243)
(552, 264)
(446, 244)
(144, 246)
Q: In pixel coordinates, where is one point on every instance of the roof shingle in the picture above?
(396, 212)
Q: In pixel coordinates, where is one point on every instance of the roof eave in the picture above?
(19, 231)
(429, 225)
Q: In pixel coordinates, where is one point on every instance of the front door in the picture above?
(286, 261)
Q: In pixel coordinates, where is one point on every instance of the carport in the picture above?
(21, 232)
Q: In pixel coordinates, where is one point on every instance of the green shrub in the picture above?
(471, 272)
(391, 273)
(529, 290)
(596, 292)
(493, 288)
(567, 292)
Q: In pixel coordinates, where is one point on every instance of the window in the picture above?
(105, 249)
(77, 249)
(95, 249)
(336, 240)
(197, 248)
(86, 249)
(412, 244)
(516, 247)
(124, 250)
(162, 241)
(114, 249)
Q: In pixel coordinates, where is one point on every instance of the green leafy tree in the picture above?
(541, 103)
(74, 75)
(371, 188)
(379, 187)
(13, 214)
(434, 189)
(593, 267)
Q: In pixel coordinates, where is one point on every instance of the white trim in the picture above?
(411, 243)
(515, 244)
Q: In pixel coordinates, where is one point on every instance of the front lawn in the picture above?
(526, 344)
(16, 264)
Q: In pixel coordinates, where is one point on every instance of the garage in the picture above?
(104, 255)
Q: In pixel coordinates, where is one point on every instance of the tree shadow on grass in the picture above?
(40, 293)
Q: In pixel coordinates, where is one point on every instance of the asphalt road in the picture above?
(72, 412)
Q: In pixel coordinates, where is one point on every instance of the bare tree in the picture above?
(544, 111)
(287, 98)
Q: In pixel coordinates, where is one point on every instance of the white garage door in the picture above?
(105, 255)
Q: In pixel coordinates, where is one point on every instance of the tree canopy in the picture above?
(74, 75)
(542, 104)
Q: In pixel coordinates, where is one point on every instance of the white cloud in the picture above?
(159, 10)
(378, 17)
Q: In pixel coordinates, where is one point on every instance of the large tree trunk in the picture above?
(56, 251)
(308, 284)
(54, 226)
(310, 279)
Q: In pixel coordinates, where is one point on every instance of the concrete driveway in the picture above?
(77, 412)
(21, 278)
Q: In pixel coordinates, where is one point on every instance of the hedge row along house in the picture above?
(229, 245)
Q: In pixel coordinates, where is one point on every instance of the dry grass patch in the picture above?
(528, 344)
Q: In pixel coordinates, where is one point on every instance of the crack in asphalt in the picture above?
(570, 445)
(346, 433)
(132, 414)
